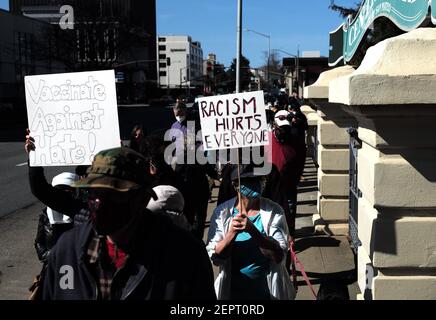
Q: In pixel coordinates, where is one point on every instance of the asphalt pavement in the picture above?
(19, 211)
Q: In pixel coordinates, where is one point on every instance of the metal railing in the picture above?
(354, 194)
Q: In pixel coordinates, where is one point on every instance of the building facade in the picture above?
(180, 62)
(209, 73)
(19, 57)
(107, 34)
(303, 71)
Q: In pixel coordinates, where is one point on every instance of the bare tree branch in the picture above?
(345, 11)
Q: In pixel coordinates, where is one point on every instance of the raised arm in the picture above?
(56, 199)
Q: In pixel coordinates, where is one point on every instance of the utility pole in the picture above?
(268, 66)
(239, 48)
(298, 70)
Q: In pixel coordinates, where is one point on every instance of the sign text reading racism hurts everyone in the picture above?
(233, 121)
(72, 116)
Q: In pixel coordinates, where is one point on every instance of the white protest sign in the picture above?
(233, 121)
(72, 116)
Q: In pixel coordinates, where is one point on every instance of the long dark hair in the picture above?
(137, 144)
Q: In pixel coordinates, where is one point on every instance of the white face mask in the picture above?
(180, 119)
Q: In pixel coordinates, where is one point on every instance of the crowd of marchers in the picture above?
(131, 225)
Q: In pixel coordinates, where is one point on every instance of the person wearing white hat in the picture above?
(282, 179)
(282, 118)
(169, 202)
(52, 224)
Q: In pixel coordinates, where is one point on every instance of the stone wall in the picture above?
(333, 155)
(392, 95)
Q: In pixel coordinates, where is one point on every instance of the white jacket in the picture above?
(274, 224)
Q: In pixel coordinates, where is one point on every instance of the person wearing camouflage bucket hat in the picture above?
(119, 186)
(125, 251)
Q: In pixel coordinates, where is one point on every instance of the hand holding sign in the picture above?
(30, 142)
(233, 121)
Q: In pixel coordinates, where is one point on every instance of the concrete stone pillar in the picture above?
(333, 155)
(393, 97)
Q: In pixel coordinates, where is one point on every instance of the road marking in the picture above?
(21, 164)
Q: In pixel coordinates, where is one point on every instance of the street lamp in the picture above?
(297, 65)
(269, 50)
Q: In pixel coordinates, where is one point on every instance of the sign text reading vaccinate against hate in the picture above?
(233, 121)
(72, 116)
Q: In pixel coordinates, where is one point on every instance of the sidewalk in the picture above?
(323, 257)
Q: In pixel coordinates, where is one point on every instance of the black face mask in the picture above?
(283, 134)
(111, 211)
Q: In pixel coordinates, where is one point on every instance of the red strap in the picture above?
(300, 265)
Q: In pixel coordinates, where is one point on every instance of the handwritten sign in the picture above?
(72, 116)
(233, 121)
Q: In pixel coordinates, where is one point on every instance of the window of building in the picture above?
(24, 55)
(160, 39)
(96, 42)
(162, 56)
(162, 48)
(162, 65)
(162, 73)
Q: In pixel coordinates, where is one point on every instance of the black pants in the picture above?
(200, 213)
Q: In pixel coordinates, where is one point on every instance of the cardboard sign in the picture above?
(233, 121)
(71, 116)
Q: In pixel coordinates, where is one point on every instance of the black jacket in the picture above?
(47, 235)
(166, 263)
(58, 200)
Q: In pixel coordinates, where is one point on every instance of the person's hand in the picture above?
(241, 223)
(30, 142)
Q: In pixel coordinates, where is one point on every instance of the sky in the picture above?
(291, 25)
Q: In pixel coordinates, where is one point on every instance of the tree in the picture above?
(221, 78)
(274, 67)
(245, 75)
(346, 11)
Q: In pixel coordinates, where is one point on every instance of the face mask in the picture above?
(282, 134)
(109, 212)
(180, 119)
(251, 189)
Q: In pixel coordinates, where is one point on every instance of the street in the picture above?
(18, 221)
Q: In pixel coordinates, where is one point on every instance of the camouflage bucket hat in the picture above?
(121, 169)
